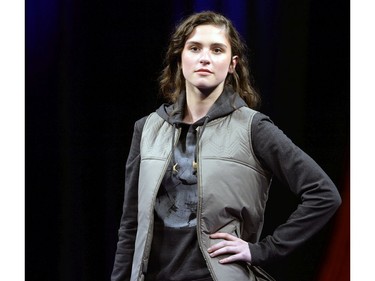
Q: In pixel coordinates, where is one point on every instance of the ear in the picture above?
(233, 64)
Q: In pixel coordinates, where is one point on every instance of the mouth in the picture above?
(203, 70)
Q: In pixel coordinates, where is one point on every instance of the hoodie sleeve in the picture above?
(128, 224)
(319, 198)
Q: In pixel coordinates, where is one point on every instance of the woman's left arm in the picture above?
(319, 197)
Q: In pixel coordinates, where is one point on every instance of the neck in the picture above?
(198, 103)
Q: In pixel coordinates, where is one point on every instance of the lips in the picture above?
(203, 70)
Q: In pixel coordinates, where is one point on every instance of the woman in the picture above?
(199, 170)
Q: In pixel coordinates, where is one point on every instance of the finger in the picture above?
(219, 245)
(224, 250)
(231, 258)
(222, 235)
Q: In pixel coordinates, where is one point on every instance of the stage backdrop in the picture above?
(91, 72)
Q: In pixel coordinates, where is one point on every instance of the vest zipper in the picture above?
(199, 212)
(150, 232)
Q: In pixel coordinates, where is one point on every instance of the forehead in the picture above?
(209, 33)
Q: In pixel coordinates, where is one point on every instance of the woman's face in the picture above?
(207, 58)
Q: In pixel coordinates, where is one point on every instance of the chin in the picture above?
(207, 90)
(206, 87)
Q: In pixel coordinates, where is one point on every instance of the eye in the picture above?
(217, 50)
(194, 48)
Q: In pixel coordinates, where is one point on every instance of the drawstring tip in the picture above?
(195, 165)
(175, 168)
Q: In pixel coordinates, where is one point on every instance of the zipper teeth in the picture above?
(151, 228)
(199, 209)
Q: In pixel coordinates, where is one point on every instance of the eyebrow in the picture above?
(214, 44)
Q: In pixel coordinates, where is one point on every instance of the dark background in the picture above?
(91, 72)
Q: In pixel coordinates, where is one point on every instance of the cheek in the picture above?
(223, 67)
(185, 61)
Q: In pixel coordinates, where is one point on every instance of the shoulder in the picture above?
(257, 116)
(259, 122)
(140, 123)
(261, 119)
(243, 115)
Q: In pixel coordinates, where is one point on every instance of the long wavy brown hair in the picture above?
(172, 81)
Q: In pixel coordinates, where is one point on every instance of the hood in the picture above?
(226, 103)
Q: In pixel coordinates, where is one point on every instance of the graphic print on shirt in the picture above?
(176, 203)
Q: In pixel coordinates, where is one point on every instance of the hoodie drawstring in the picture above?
(175, 165)
(195, 163)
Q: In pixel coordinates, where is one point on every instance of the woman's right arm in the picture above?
(128, 226)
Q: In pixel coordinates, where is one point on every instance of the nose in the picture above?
(204, 58)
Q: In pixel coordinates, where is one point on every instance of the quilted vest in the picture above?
(232, 188)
